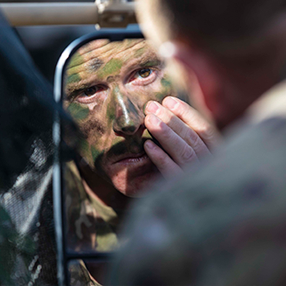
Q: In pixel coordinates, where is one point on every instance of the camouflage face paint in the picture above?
(94, 153)
(110, 84)
(112, 67)
(73, 78)
(78, 112)
(110, 113)
(166, 83)
(76, 59)
(95, 64)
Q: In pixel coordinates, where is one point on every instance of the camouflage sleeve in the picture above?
(88, 229)
(16, 253)
(79, 275)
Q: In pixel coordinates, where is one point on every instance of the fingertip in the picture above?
(146, 106)
(170, 102)
(149, 144)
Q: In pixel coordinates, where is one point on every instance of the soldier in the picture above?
(224, 222)
(111, 92)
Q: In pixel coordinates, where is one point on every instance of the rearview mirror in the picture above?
(104, 81)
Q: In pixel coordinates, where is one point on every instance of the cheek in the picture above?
(93, 129)
(78, 112)
(156, 91)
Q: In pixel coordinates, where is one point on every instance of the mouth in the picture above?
(131, 158)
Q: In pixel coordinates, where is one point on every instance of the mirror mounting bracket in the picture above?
(115, 13)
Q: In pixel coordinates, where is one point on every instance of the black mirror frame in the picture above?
(63, 257)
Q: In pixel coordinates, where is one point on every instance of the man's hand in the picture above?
(181, 131)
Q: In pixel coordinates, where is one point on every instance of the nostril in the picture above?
(128, 118)
(126, 127)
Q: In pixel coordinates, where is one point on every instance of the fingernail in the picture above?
(171, 103)
(149, 144)
(152, 107)
(154, 120)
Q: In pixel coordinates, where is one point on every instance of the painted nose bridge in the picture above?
(128, 118)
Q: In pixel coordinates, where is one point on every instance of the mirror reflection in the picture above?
(107, 86)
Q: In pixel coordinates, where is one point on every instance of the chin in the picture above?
(135, 186)
(131, 176)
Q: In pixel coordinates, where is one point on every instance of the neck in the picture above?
(249, 73)
(244, 86)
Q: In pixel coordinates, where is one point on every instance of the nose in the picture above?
(128, 117)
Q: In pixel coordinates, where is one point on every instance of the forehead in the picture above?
(95, 54)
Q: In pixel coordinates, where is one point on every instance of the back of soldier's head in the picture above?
(222, 26)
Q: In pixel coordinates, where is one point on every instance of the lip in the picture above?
(131, 158)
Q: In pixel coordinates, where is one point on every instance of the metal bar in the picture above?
(61, 276)
(22, 14)
(58, 201)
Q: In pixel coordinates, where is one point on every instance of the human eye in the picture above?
(91, 94)
(143, 76)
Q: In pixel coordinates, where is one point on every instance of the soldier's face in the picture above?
(107, 88)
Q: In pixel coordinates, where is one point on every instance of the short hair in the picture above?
(221, 25)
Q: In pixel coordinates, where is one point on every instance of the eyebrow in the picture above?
(147, 61)
(152, 62)
(71, 90)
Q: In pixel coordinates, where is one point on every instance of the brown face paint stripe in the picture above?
(95, 64)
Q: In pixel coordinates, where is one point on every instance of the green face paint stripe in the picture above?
(165, 82)
(83, 145)
(76, 59)
(94, 153)
(111, 108)
(160, 96)
(73, 78)
(113, 66)
(78, 112)
(110, 112)
(139, 52)
(151, 63)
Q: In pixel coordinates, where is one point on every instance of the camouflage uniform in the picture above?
(223, 222)
(91, 226)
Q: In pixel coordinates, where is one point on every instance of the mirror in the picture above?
(106, 86)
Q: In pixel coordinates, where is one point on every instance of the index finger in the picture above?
(193, 119)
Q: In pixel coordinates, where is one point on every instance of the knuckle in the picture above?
(162, 160)
(208, 131)
(188, 154)
(166, 134)
(182, 109)
(194, 140)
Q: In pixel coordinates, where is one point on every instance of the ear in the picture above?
(203, 77)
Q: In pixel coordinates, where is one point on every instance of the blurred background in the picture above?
(46, 43)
